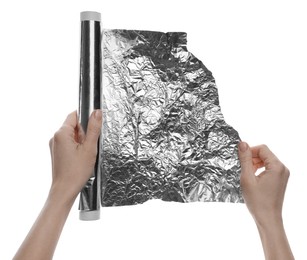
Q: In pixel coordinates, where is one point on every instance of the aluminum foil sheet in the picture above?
(164, 136)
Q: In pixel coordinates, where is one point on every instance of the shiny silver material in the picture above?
(89, 99)
(164, 136)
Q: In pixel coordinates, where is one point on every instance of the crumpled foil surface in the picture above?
(164, 136)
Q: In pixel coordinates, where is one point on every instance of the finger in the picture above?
(258, 165)
(68, 128)
(246, 160)
(71, 120)
(265, 155)
(93, 129)
(257, 162)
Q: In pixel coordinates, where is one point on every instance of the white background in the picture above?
(257, 53)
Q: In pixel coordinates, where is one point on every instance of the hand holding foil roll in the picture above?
(164, 136)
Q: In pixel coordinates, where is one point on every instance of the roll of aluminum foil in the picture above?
(164, 136)
(89, 99)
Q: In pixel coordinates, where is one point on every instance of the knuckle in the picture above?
(287, 172)
(61, 133)
(279, 167)
(57, 136)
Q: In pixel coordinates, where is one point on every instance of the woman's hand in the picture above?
(73, 154)
(264, 196)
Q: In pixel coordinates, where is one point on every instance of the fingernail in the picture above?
(98, 114)
(243, 147)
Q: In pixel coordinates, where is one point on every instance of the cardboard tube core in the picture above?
(89, 15)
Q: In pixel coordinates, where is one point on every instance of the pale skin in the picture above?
(73, 155)
(264, 196)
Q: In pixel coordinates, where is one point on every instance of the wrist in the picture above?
(270, 224)
(268, 219)
(274, 239)
(61, 195)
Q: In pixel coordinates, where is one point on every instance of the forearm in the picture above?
(274, 240)
(42, 239)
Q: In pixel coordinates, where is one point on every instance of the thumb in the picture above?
(246, 159)
(93, 129)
